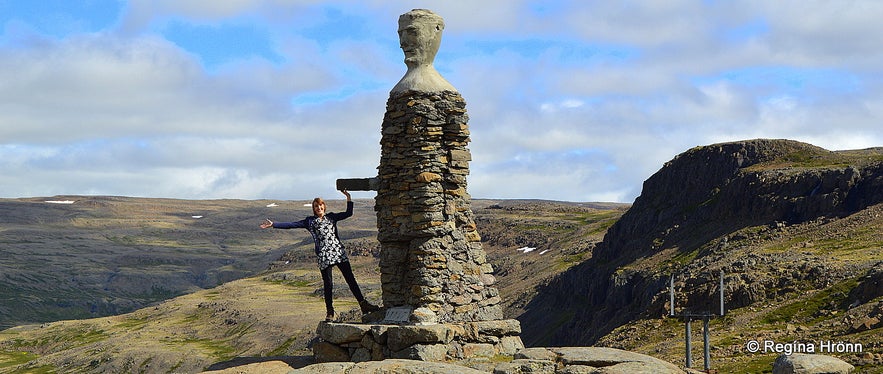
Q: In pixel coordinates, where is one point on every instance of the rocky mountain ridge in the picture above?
(782, 219)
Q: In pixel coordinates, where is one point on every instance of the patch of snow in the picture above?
(197, 217)
(526, 249)
(544, 251)
(60, 201)
(309, 204)
(270, 205)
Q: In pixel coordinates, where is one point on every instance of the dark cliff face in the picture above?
(709, 191)
(701, 195)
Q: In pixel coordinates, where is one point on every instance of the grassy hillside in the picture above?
(102, 256)
(265, 316)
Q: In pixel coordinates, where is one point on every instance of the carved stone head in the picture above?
(420, 33)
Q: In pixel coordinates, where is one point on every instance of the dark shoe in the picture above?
(329, 317)
(368, 307)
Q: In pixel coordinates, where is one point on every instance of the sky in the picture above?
(276, 99)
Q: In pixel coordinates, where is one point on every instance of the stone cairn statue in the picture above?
(431, 254)
(432, 263)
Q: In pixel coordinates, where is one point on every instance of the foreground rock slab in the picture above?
(799, 363)
(269, 367)
(393, 366)
(562, 360)
(584, 360)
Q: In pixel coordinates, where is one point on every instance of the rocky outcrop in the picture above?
(698, 197)
(871, 286)
(800, 363)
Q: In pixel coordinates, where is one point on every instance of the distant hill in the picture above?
(797, 230)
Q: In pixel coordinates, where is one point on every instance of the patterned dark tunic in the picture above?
(329, 249)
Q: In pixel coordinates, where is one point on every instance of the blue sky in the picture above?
(568, 100)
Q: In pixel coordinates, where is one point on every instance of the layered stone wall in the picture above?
(437, 342)
(431, 254)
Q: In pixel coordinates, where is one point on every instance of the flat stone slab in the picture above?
(598, 359)
(339, 333)
(387, 366)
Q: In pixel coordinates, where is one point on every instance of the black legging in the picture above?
(328, 284)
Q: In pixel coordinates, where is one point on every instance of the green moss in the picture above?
(45, 369)
(807, 158)
(9, 359)
(565, 262)
(858, 239)
(678, 261)
(595, 217)
(133, 324)
(296, 283)
(282, 349)
(195, 317)
(70, 337)
(212, 295)
(759, 364)
(299, 283)
(214, 348)
(807, 309)
(145, 364)
(501, 358)
(177, 365)
(239, 330)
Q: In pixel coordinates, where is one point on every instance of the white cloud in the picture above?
(567, 100)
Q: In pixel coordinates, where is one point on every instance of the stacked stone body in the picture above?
(431, 254)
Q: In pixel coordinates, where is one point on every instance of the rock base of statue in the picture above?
(433, 342)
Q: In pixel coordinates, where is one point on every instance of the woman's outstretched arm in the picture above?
(283, 225)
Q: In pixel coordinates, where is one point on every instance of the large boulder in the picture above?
(799, 363)
(269, 367)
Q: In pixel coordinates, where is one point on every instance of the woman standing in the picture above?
(329, 250)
